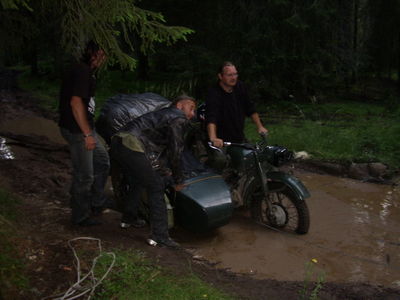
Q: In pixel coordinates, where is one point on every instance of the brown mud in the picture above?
(35, 166)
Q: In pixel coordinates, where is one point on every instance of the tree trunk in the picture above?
(142, 66)
(355, 42)
(33, 59)
(398, 60)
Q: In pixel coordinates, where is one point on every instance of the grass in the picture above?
(135, 277)
(12, 267)
(41, 88)
(343, 132)
(312, 283)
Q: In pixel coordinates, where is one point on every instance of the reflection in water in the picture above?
(361, 217)
(5, 150)
(354, 234)
(386, 204)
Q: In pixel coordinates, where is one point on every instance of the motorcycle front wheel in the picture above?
(289, 213)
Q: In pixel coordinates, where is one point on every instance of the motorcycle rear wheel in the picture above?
(290, 213)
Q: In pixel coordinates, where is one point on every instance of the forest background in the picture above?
(325, 75)
(315, 68)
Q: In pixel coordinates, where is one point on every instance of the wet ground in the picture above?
(354, 234)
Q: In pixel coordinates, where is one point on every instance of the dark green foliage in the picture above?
(281, 48)
(49, 28)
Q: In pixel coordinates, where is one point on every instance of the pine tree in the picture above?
(112, 24)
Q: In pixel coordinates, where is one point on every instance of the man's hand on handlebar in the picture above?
(217, 142)
(262, 130)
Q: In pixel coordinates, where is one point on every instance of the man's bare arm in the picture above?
(212, 135)
(256, 120)
(79, 113)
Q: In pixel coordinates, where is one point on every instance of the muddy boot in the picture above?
(163, 242)
(128, 221)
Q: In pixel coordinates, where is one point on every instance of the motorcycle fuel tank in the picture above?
(205, 203)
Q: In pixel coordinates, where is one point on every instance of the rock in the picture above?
(334, 169)
(377, 170)
(301, 155)
(359, 171)
(368, 171)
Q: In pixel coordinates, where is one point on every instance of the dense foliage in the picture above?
(50, 30)
(286, 47)
(281, 47)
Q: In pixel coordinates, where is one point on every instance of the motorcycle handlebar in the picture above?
(210, 144)
(244, 145)
(264, 136)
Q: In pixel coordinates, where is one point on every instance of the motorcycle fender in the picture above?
(291, 182)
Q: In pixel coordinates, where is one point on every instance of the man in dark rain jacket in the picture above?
(149, 149)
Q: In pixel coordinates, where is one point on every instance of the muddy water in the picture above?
(354, 236)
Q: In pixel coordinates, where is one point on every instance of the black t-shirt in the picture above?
(80, 82)
(228, 111)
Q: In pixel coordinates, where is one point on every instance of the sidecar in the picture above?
(204, 204)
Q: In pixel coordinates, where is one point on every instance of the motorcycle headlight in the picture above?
(281, 155)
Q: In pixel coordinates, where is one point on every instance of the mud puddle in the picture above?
(354, 236)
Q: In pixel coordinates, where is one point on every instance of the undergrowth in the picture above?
(13, 281)
(136, 277)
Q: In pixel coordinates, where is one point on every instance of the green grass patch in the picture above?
(351, 132)
(135, 277)
(12, 267)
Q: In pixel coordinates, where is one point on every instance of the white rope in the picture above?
(81, 287)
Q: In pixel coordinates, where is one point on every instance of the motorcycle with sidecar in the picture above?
(217, 180)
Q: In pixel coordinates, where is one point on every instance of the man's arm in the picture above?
(212, 135)
(79, 113)
(256, 120)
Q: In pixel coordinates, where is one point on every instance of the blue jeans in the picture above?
(90, 170)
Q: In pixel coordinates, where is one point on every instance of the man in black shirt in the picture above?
(227, 105)
(90, 162)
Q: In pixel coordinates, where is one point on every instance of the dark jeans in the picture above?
(90, 170)
(141, 176)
